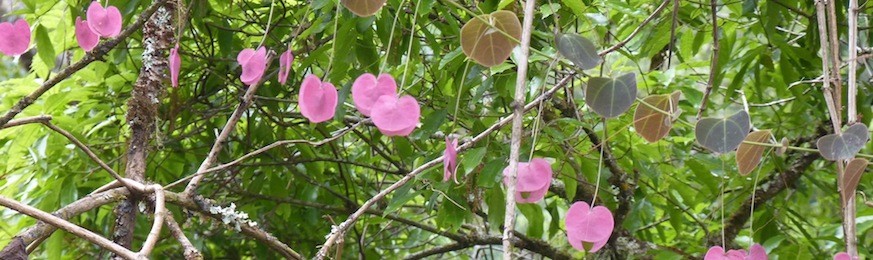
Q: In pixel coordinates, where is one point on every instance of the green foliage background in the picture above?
(765, 47)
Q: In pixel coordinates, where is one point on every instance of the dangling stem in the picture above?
(599, 165)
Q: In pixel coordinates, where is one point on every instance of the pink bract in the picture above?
(588, 228)
(105, 22)
(253, 64)
(285, 61)
(86, 38)
(14, 37)
(757, 252)
(842, 256)
(533, 181)
(368, 88)
(396, 116)
(175, 65)
(450, 160)
(317, 99)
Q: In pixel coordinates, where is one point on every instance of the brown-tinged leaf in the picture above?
(749, 155)
(482, 40)
(652, 124)
(851, 177)
(364, 8)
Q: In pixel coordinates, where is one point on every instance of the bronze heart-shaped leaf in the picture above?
(652, 124)
(722, 135)
(749, 155)
(483, 41)
(851, 177)
(843, 146)
(364, 8)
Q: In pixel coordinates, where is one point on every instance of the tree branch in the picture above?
(713, 67)
(190, 252)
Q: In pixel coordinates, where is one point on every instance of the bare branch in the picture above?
(28, 120)
(191, 252)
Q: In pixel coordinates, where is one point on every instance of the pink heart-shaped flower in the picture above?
(842, 256)
(253, 64)
(86, 38)
(175, 65)
(285, 61)
(395, 116)
(317, 100)
(105, 22)
(14, 37)
(718, 253)
(533, 180)
(757, 252)
(587, 225)
(450, 159)
(367, 89)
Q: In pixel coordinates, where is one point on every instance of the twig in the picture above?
(160, 211)
(190, 252)
(823, 41)
(636, 31)
(339, 230)
(222, 137)
(439, 250)
(99, 51)
(517, 130)
(27, 120)
(713, 66)
(69, 227)
(853, 61)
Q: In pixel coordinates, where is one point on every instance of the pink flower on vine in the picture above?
(843, 256)
(395, 116)
(533, 180)
(14, 37)
(253, 64)
(756, 252)
(450, 159)
(285, 61)
(105, 22)
(175, 65)
(368, 88)
(588, 229)
(86, 38)
(317, 99)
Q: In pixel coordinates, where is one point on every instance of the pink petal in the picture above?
(531, 196)
(842, 256)
(757, 252)
(175, 65)
(450, 160)
(588, 224)
(285, 65)
(532, 176)
(105, 22)
(253, 63)
(85, 36)
(14, 38)
(396, 116)
(367, 89)
(715, 253)
(317, 100)
(592, 247)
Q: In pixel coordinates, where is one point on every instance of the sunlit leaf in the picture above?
(482, 40)
(854, 169)
(749, 155)
(843, 146)
(579, 50)
(364, 8)
(722, 135)
(652, 124)
(611, 97)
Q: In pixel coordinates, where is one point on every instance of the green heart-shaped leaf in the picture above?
(652, 124)
(851, 177)
(482, 40)
(843, 146)
(579, 50)
(364, 8)
(722, 135)
(611, 97)
(749, 155)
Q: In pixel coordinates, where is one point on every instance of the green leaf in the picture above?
(44, 47)
(722, 135)
(579, 50)
(576, 6)
(611, 97)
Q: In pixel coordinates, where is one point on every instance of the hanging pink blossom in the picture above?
(86, 38)
(285, 61)
(105, 22)
(718, 253)
(842, 256)
(317, 99)
(757, 252)
(533, 181)
(395, 116)
(588, 229)
(175, 65)
(253, 64)
(368, 88)
(14, 37)
(450, 159)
